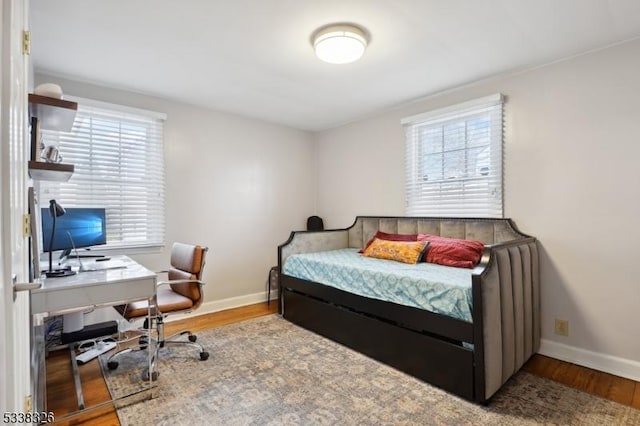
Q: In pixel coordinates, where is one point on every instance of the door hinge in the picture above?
(26, 225)
(26, 42)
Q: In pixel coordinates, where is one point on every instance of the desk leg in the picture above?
(38, 366)
(76, 377)
(152, 349)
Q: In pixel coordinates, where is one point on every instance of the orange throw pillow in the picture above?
(400, 251)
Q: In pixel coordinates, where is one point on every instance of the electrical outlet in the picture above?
(28, 404)
(562, 327)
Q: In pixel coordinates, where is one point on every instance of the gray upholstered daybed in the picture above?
(472, 359)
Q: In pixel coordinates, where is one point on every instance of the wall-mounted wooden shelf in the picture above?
(40, 170)
(52, 113)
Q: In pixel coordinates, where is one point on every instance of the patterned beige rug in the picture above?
(268, 371)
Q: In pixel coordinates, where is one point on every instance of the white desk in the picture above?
(94, 288)
(79, 292)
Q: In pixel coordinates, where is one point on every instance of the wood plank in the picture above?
(635, 402)
(534, 364)
(621, 390)
(584, 379)
(565, 374)
(55, 102)
(542, 366)
(601, 383)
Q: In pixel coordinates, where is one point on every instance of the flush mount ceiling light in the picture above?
(339, 43)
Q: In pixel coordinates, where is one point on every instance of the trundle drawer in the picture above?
(435, 361)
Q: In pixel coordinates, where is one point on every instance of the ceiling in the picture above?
(254, 57)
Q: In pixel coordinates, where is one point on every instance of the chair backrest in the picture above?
(187, 263)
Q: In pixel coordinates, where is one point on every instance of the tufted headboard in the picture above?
(489, 231)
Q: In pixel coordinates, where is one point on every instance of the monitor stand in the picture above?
(58, 273)
(66, 254)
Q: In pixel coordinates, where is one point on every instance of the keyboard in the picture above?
(101, 266)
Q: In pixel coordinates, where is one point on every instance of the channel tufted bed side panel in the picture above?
(511, 312)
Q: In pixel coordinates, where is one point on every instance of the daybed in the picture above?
(472, 359)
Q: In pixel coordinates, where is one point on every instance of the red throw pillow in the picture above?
(389, 237)
(452, 251)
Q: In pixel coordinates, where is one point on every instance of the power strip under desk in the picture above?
(100, 348)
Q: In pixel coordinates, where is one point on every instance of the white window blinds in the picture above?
(454, 160)
(119, 165)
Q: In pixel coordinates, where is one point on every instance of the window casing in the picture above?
(118, 155)
(453, 160)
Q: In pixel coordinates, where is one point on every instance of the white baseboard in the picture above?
(235, 302)
(224, 304)
(598, 361)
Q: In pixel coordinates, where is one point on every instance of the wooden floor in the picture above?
(608, 386)
(62, 396)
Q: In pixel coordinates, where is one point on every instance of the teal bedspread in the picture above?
(436, 288)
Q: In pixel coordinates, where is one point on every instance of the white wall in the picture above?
(236, 185)
(572, 149)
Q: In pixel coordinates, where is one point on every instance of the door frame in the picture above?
(15, 372)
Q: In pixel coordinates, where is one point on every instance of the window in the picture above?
(119, 165)
(454, 160)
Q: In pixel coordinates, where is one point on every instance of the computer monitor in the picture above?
(79, 227)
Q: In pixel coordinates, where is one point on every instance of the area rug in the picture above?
(268, 371)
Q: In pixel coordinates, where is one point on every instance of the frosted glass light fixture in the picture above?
(339, 43)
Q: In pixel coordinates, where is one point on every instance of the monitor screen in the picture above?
(85, 226)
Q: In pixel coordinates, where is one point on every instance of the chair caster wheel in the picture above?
(154, 376)
(112, 365)
(193, 337)
(204, 356)
(143, 342)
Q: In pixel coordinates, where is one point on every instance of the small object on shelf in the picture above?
(52, 155)
(52, 113)
(39, 170)
(50, 90)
